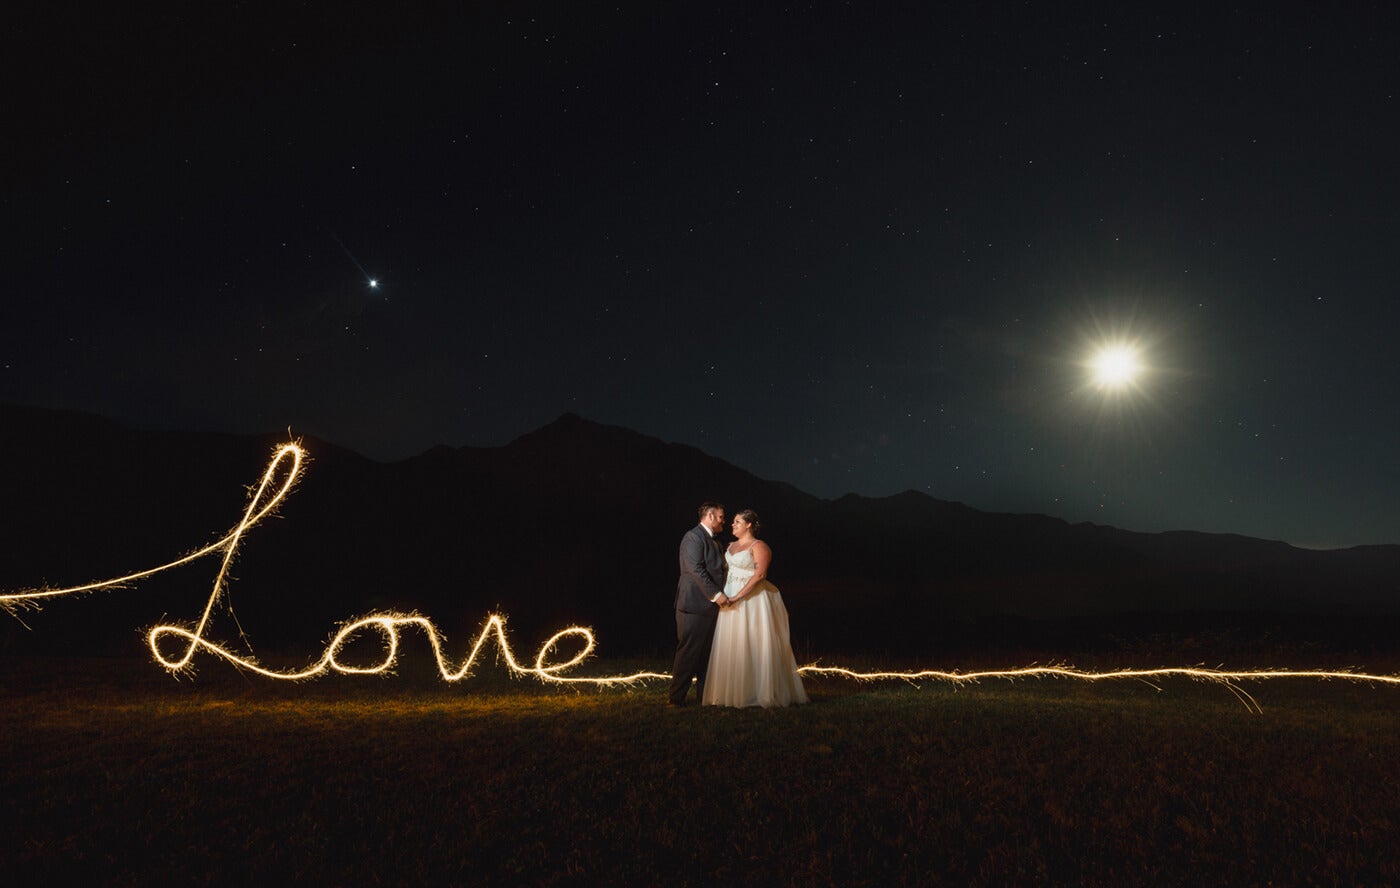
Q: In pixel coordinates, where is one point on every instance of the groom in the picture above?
(702, 578)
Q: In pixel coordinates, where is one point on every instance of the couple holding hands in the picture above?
(731, 626)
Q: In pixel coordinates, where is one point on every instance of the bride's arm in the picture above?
(762, 557)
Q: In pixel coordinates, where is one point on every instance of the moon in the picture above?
(1115, 366)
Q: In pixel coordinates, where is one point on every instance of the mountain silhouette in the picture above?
(579, 522)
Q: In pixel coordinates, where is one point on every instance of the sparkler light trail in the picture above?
(279, 480)
(1228, 678)
(287, 463)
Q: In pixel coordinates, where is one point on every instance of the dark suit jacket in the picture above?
(702, 572)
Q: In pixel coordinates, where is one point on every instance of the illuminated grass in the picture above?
(133, 776)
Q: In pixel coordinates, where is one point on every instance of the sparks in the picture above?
(549, 666)
(287, 463)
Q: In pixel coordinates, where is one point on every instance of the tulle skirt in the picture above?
(751, 661)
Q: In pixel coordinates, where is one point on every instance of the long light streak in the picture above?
(280, 479)
(1229, 678)
(288, 452)
(390, 626)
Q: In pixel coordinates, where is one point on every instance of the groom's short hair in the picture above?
(707, 508)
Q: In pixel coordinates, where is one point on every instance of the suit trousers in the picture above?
(694, 634)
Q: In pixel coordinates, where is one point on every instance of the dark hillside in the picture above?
(578, 522)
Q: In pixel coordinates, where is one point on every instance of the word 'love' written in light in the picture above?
(277, 483)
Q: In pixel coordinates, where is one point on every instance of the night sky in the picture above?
(846, 247)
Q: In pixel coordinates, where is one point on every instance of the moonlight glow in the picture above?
(174, 646)
(1115, 366)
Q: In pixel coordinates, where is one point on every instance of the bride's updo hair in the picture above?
(751, 518)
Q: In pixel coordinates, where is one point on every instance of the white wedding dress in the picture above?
(751, 661)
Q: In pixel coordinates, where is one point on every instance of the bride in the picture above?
(751, 661)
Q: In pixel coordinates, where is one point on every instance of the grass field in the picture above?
(115, 771)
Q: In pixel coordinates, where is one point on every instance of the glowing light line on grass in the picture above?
(1228, 678)
(390, 626)
(287, 464)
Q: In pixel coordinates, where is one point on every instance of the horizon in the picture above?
(296, 436)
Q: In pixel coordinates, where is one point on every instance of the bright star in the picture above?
(374, 283)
